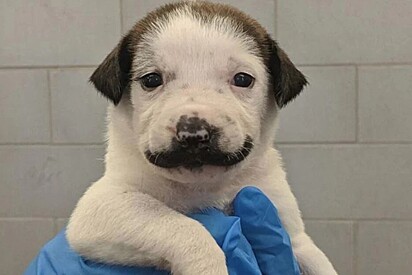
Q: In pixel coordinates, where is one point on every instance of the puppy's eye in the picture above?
(151, 81)
(243, 80)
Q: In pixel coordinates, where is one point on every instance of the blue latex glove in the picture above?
(254, 242)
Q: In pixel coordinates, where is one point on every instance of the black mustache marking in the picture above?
(197, 157)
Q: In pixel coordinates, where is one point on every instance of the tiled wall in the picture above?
(346, 141)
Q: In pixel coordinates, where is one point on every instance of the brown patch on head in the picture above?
(113, 76)
(286, 81)
(207, 11)
(289, 81)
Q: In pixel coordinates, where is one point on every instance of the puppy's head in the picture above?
(201, 79)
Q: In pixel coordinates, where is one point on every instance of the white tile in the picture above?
(78, 110)
(20, 241)
(46, 181)
(57, 32)
(262, 10)
(351, 181)
(324, 111)
(384, 248)
(24, 106)
(335, 239)
(385, 104)
(349, 31)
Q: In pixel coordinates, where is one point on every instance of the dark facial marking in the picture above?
(285, 79)
(194, 132)
(179, 156)
(112, 77)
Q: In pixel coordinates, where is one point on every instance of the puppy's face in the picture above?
(201, 79)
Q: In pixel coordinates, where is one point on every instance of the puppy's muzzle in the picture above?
(195, 144)
(194, 133)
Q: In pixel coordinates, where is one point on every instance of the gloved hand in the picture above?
(254, 242)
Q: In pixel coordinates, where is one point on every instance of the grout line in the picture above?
(357, 219)
(53, 144)
(355, 230)
(282, 144)
(121, 17)
(313, 142)
(351, 220)
(19, 219)
(48, 67)
(385, 142)
(354, 64)
(339, 145)
(276, 31)
(50, 106)
(89, 66)
(357, 121)
(343, 143)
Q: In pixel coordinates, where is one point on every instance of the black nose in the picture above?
(193, 132)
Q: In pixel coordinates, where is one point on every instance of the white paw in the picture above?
(312, 260)
(214, 264)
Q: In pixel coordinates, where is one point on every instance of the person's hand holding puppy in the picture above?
(253, 240)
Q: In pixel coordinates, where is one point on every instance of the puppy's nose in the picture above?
(193, 132)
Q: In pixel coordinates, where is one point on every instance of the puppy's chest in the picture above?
(185, 201)
(193, 201)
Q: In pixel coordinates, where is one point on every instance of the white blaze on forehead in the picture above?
(184, 41)
(181, 25)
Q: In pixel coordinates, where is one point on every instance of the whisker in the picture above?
(157, 156)
(240, 151)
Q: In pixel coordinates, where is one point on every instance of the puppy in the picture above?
(196, 88)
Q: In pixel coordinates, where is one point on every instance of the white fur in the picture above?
(135, 213)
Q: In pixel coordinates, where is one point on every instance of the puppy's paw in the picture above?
(212, 264)
(312, 260)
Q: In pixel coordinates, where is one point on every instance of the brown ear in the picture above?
(112, 77)
(287, 80)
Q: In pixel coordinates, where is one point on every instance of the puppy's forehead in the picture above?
(181, 28)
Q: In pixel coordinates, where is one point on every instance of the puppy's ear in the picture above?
(112, 77)
(287, 80)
